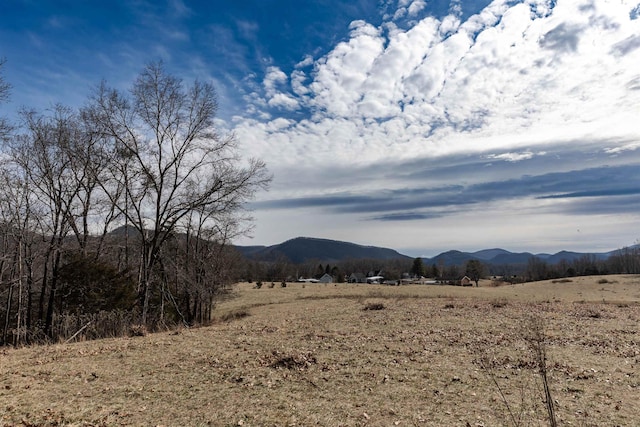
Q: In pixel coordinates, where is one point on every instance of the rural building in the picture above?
(357, 278)
(326, 278)
(466, 281)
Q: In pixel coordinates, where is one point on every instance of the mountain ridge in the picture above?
(303, 249)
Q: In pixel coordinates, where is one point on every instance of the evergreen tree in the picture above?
(417, 269)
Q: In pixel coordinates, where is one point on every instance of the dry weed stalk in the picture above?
(533, 334)
(487, 364)
(536, 341)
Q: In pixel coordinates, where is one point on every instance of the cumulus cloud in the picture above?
(283, 100)
(275, 79)
(339, 77)
(416, 6)
(308, 60)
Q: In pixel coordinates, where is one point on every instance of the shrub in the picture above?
(234, 315)
(374, 306)
(496, 282)
(90, 326)
(594, 314)
(91, 286)
(137, 330)
(499, 303)
(296, 361)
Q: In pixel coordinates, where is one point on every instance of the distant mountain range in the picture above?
(303, 249)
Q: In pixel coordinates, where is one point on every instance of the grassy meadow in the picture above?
(352, 355)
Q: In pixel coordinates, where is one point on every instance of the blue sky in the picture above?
(418, 125)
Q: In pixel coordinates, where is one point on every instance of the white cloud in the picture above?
(449, 24)
(283, 100)
(308, 60)
(298, 79)
(515, 157)
(416, 7)
(400, 13)
(339, 77)
(626, 147)
(274, 77)
(512, 80)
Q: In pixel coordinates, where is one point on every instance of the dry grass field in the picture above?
(352, 355)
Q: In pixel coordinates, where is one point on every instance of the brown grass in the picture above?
(313, 356)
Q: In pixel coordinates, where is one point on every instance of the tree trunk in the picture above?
(8, 315)
(29, 315)
(52, 295)
(43, 289)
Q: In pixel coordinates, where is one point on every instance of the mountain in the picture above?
(511, 258)
(500, 257)
(250, 251)
(623, 250)
(487, 254)
(450, 258)
(569, 257)
(302, 249)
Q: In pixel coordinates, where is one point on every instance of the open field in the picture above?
(352, 355)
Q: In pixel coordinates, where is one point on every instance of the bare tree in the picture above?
(475, 269)
(42, 153)
(61, 162)
(167, 161)
(537, 269)
(5, 127)
(19, 250)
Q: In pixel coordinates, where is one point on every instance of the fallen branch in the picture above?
(76, 334)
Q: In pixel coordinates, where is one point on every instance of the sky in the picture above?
(422, 126)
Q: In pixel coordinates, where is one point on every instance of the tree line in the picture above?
(623, 261)
(119, 213)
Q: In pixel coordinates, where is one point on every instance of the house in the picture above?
(357, 278)
(326, 278)
(466, 281)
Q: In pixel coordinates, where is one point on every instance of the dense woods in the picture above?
(118, 216)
